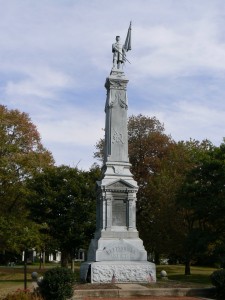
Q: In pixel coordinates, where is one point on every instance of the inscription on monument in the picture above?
(118, 213)
(121, 252)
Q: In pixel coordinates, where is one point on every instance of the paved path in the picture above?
(134, 286)
(150, 298)
(131, 288)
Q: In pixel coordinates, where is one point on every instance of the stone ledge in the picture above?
(119, 293)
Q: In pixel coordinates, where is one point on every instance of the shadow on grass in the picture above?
(200, 279)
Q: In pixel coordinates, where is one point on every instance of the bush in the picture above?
(23, 295)
(218, 280)
(57, 284)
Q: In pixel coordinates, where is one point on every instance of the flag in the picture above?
(127, 44)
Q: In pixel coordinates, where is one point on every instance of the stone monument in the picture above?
(117, 254)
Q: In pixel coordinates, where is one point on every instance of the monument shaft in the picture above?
(116, 140)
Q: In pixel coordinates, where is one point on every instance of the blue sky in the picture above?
(56, 54)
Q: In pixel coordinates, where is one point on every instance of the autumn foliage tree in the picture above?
(164, 188)
(21, 156)
(161, 166)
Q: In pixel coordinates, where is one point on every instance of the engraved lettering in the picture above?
(118, 213)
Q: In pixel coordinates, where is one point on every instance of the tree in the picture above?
(148, 148)
(198, 200)
(21, 156)
(64, 199)
(159, 222)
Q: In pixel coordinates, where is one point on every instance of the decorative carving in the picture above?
(120, 191)
(118, 184)
(116, 84)
(118, 169)
(123, 273)
(117, 137)
(119, 187)
(123, 103)
(117, 73)
(111, 100)
(119, 97)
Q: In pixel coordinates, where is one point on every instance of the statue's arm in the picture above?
(114, 48)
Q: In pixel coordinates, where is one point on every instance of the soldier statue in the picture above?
(119, 51)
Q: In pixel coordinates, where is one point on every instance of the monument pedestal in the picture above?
(119, 271)
(116, 254)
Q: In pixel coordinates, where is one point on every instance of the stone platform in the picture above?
(135, 291)
(119, 272)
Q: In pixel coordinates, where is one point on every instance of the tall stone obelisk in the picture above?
(117, 254)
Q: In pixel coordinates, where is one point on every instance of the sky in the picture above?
(55, 56)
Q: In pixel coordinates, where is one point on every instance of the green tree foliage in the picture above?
(64, 199)
(21, 156)
(158, 219)
(201, 202)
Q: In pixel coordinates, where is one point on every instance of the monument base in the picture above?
(118, 272)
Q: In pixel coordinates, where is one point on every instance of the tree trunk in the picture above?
(44, 259)
(25, 269)
(40, 261)
(72, 265)
(157, 258)
(64, 259)
(187, 267)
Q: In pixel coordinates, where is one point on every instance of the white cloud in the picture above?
(77, 127)
(184, 120)
(39, 81)
(172, 52)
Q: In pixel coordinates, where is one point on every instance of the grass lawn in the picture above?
(11, 278)
(199, 275)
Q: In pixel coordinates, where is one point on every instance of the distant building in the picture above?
(34, 256)
(80, 255)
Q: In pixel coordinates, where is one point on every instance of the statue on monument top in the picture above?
(119, 51)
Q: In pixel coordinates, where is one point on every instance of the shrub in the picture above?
(23, 295)
(218, 280)
(57, 284)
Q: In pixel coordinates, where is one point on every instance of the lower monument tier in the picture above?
(118, 272)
